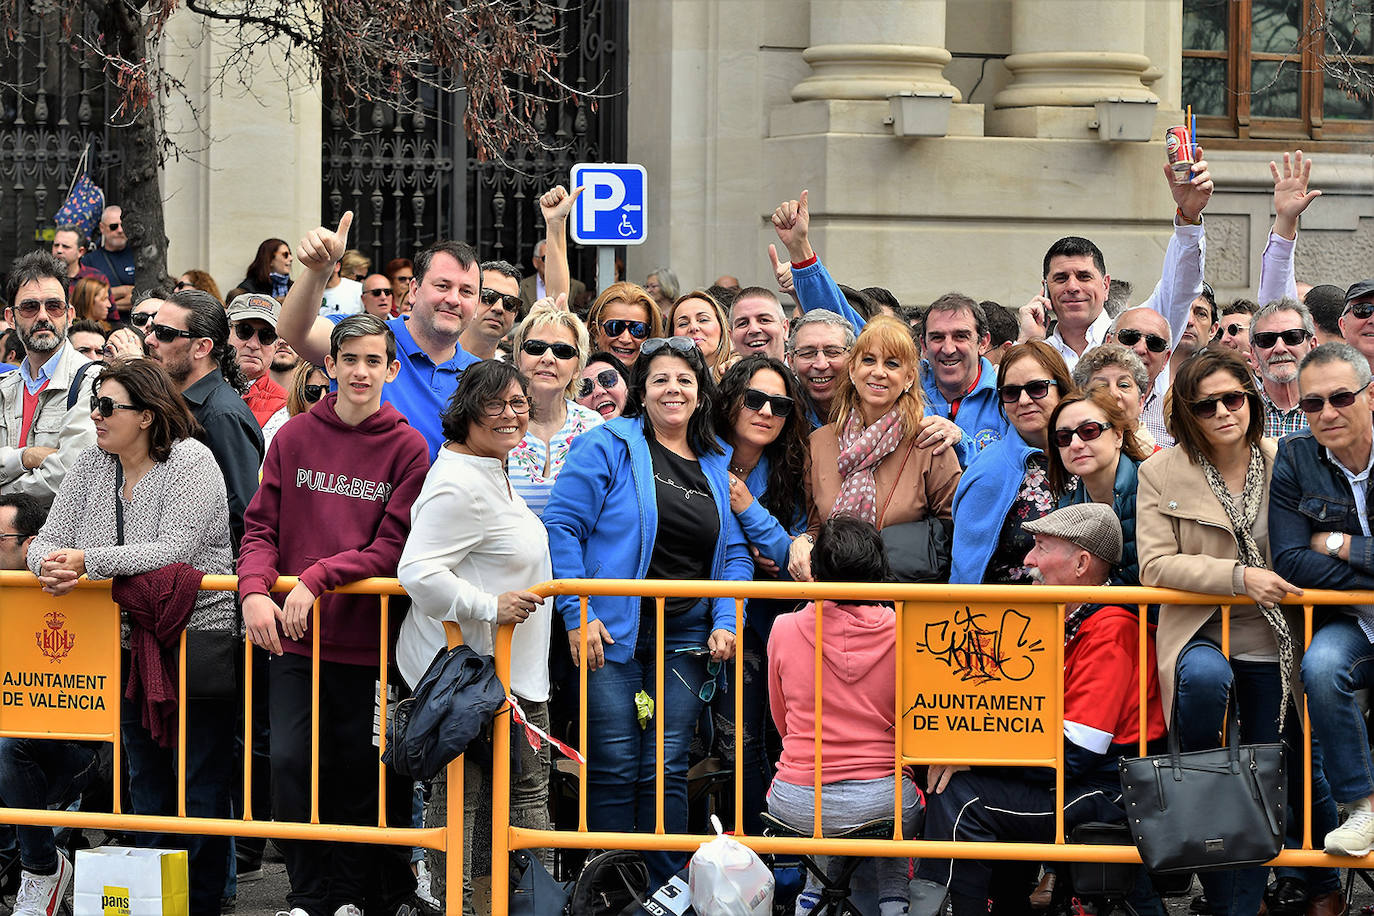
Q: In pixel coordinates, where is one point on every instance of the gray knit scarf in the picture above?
(1242, 520)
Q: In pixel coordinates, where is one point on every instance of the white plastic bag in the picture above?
(728, 878)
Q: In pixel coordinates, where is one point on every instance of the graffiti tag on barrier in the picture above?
(980, 648)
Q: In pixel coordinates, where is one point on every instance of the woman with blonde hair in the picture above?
(700, 316)
(621, 319)
(865, 462)
(91, 300)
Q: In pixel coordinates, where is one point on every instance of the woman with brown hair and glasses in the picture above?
(150, 499)
(1203, 526)
(621, 319)
(1008, 485)
(1094, 458)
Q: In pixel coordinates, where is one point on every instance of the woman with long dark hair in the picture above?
(270, 272)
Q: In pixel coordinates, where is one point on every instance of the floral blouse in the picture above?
(1033, 500)
(526, 462)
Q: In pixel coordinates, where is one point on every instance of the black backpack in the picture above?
(612, 883)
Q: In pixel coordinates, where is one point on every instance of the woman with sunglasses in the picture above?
(550, 346)
(1008, 485)
(865, 462)
(309, 383)
(700, 316)
(199, 279)
(647, 495)
(760, 417)
(474, 550)
(604, 386)
(1121, 372)
(858, 689)
(146, 499)
(1095, 459)
(270, 272)
(621, 319)
(1202, 526)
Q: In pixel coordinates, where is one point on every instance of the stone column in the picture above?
(870, 49)
(1072, 53)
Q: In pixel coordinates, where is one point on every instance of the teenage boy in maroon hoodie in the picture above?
(334, 507)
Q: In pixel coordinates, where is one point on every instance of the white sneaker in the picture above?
(348, 909)
(424, 885)
(41, 895)
(295, 912)
(1356, 835)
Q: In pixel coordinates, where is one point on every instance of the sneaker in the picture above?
(424, 885)
(295, 912)
(1356, 835)
(348, 909)
(41, 895)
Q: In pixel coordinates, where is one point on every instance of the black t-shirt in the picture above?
(688, 523)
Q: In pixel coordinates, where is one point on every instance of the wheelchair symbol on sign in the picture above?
(627, 228)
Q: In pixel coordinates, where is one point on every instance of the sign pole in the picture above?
(605, 267)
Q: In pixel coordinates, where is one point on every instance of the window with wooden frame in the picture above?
(1280, 69)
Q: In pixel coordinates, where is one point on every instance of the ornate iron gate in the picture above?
(411, 178)
(52, 108)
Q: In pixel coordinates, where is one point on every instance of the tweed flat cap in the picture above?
(1091, 526)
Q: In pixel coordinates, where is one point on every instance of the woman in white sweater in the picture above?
(474, 549)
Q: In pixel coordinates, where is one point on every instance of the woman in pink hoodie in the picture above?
(859, 683)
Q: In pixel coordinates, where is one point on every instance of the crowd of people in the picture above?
(473, 431)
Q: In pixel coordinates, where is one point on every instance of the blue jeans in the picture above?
(622, 762)
(1339, 662)
(36, 773)
(749, 751)
(1205, 681)
(209, 778)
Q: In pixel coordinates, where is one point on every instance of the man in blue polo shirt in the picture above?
(444, 289)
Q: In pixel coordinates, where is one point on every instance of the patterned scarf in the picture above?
(860, 451)
(1242, 520)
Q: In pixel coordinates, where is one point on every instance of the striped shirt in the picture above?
(526, 463)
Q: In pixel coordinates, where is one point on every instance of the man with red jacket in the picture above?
(334, 507)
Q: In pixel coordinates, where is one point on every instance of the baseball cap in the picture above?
(255, 305)
(1359, 291)
(1091, 526)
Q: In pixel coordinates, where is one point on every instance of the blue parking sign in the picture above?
(611, 210)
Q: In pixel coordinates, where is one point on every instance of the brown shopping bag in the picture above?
(123, 881)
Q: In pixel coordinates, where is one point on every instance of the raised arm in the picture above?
(300, 323)
(555, 205)
(813, 287)
(1291, 197)
(1180, 279)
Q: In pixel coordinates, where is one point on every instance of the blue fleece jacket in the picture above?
(980, 413)
(1127, 572)
(981, 502)
(602, 518)
(762, 529)
(816, 289)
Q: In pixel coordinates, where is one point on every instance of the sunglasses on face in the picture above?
(1234, 330)
(1087, 431)
(606, 378)
(139, 319)
(1207, 407)
(779, 404)
(512, 304)
(677, 344)
(539, 347)
(55, 308)
(1153, 342)
(313, 393)
(1292, 337)
(617, 326)
(107, 406)
(183, 284)
(381, 291)
(1037, 390)
(166, 335)
(1361, 310)
(244, 330)
(113, 227)
(1315, 403)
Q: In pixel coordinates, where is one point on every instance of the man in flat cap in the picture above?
(1075, 545)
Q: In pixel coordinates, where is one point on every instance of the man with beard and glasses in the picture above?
(126, 343)
(189, 337)
(1281, 334)
(45, 406)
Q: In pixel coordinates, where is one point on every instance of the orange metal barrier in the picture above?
(82, 629)
(938, 627)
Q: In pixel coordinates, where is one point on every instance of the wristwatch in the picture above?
(1334, 541)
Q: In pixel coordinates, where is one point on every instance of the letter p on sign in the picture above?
(611, 211)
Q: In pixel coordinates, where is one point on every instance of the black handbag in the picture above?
(214, 658)
(917, 551)
(533, 891)
(1223, 808)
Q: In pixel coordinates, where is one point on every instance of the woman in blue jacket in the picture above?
(648, 496)
(1008, 484)
(1093, 458)
(759, 415)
